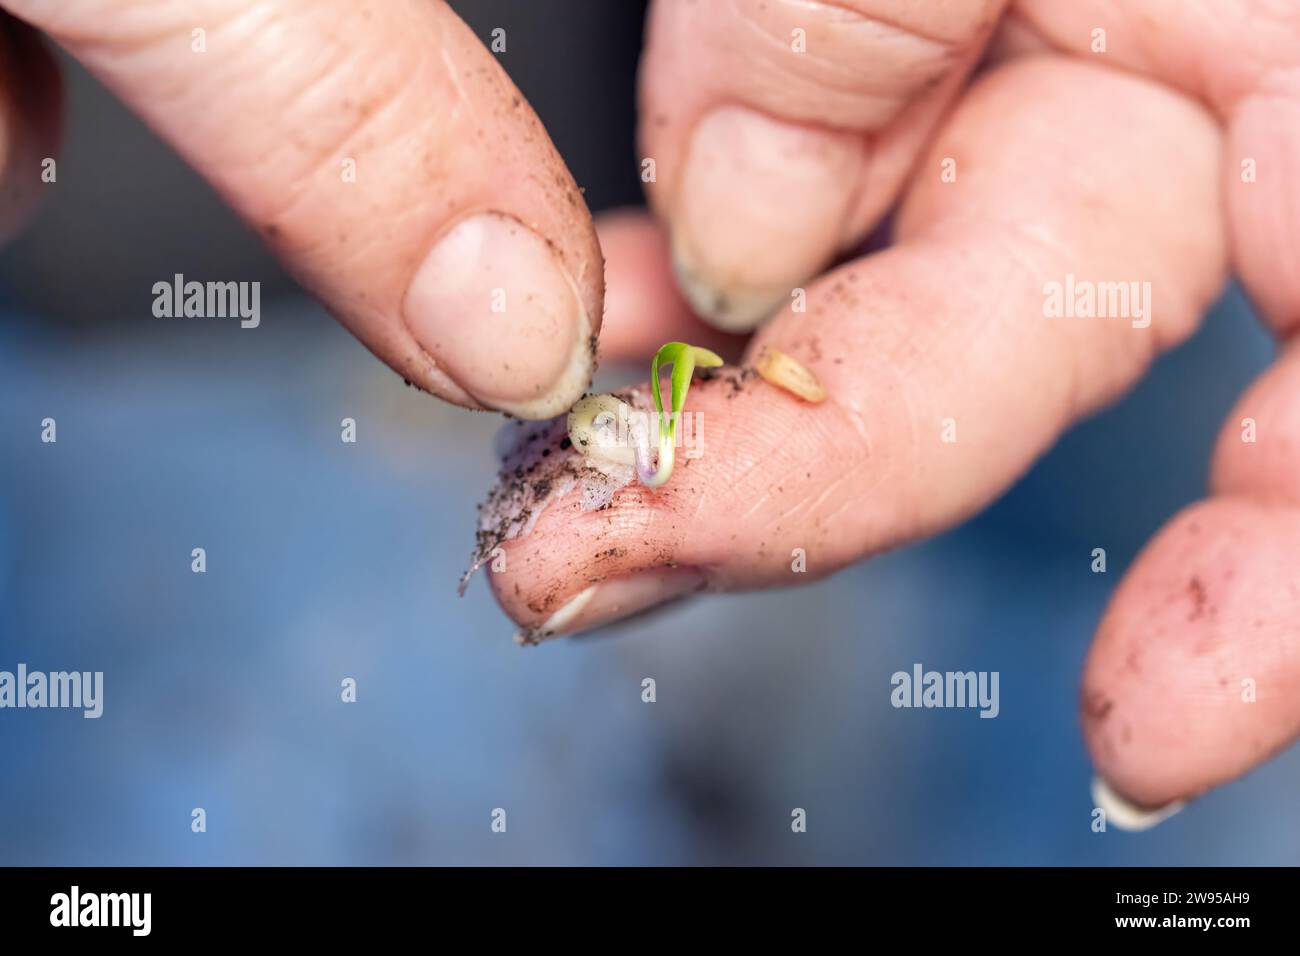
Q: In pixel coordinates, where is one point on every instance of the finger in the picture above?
(1189, 683)
(945, 378)
(1194, 677)
(1243, 62)
(1262, 180)
(31, 95)
(387, 159)
(643, 308)
(780, 130)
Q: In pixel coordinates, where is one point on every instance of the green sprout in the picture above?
(683, 358)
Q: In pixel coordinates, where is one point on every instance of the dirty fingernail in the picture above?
(1126, 814)
(761, 209)
(614, 600)
(494, 307)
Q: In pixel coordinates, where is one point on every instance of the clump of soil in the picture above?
(737, 378)
(539, 466)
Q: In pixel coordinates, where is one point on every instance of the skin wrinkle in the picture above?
(887, 93)
(776, 54)
(331, 56)
(361, 246)
(775, 49)
(327, 159)
(769, 493)
(814, 505)
(1072, 402)
(874, 15)
(848, 504)
(1282, 214)
(117, 46)
(427, 133)
(1231, 48)
(885, 465)
(899, 368)
(1279, 84)
(248, 20)
(886, 90)
(892, 153)
(462, 98)
(729, 481)
(280, 205)
(743, 471)
(699, 510)
(1139, 38)
(1071, 394)
(328, 63)
(389, 98)
(916, 465)
(829, 436)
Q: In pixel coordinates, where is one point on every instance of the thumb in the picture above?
(781, 130)
(388, 161)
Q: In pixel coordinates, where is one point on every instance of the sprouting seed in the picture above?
(598, 423)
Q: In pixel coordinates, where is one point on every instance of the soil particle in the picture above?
(1097, 706)
(1196, 588)
(1133, 662)
(738, 379)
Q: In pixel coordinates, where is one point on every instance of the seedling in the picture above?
(683, 358)
(598, 423)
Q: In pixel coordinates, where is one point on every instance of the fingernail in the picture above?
(614, 600)
(1126, 814)
(761, 209)
(499, 314)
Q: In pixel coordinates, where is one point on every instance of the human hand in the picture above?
(946, 378)
(376, 147)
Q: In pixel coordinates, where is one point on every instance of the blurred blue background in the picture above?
(328, 560)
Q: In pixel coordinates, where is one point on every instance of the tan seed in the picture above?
(784, 372)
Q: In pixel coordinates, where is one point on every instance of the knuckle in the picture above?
(847, 64)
